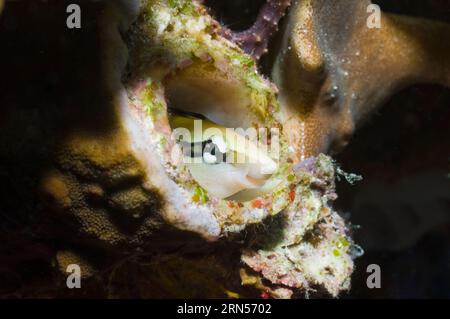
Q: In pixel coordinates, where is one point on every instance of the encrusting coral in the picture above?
(186, 60)
(307, 245)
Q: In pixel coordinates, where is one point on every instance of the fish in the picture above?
(221, 160)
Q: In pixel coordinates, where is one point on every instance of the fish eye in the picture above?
(212, 154)
(207, 150)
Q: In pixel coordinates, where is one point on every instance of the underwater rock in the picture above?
(307, 246)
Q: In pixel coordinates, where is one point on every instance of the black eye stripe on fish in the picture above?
(198, 149)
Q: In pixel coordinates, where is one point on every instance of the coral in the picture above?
(189, 59)
(330, 82)
(192, 62)
(67, 258)
(307, 245)
(305, 249)
(185, 37)
(103, 190)
(255, 40)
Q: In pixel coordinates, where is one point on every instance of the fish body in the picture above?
(221, 160)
